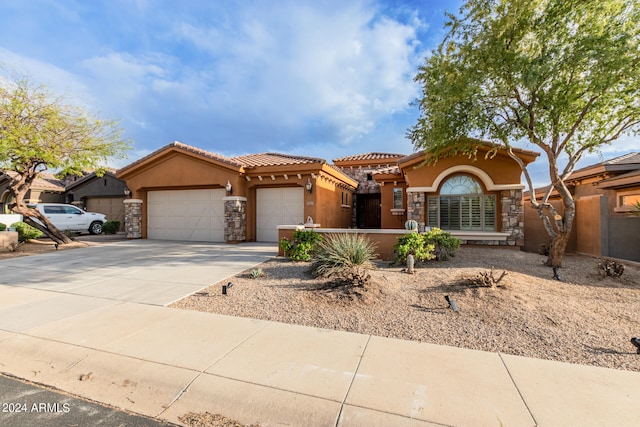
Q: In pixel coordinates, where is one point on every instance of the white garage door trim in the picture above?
(190, 215)
(277, 206)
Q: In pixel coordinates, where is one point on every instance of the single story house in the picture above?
(180, 192)
(605, 222)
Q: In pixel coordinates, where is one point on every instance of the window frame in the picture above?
(463, 211)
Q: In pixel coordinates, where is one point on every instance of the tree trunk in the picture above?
(557, 249)
(19, 188)
(48, 229)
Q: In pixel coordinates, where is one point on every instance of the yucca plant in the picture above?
(345, 257)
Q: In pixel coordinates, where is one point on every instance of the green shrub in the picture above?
(304, 245)
(111, 227)
(25, 231)
(445, 245)
(416, 245)
(345, 257)
(2, 227)
(256, 273)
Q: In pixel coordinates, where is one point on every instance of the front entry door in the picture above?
(369, 212)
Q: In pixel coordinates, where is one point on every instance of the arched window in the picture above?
(462, 205)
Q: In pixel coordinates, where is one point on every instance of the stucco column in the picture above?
(235, 219)
(416, 202)
(133, 218)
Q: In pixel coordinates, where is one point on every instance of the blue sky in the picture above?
(320, 78)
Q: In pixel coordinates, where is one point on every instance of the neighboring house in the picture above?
(604, 225)
(192, 194)
(44, 189)
(105, 194)
(96, 194)
(369, 211)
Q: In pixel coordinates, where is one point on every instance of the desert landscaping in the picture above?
(583, 318)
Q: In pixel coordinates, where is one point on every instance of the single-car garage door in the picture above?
(192, 215)
(277, 206)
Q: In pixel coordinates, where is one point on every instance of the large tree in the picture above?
(39, 132)
(563, 75)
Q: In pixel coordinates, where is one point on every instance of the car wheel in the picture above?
(95, 227)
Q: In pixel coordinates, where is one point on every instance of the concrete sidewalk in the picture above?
(163, 362)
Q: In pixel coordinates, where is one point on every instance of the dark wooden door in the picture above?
(369, 213)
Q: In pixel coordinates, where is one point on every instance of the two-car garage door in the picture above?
(192, 215)
(198, 215)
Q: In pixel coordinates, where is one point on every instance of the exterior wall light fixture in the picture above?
(228, 188)
(308, 185)
(127, 192)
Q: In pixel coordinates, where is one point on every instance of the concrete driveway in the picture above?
(143, 271)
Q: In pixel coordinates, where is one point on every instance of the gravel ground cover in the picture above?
(582, 319)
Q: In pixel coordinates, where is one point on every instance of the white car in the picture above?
(70, 218)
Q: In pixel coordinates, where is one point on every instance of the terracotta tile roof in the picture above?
(184, 147)
(45, 181)
(369, 156)
(389, 170)
(274, 159)
(480, 143)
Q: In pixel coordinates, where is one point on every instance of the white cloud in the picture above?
(58, 80)
(303, 63)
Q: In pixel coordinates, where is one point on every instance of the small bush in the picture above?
(3, 227)
(434, 244)
(345, 257)
(111, 227)
(445, 245)
(416, 245)
(304, 245)
(256, 273)
(25, 231)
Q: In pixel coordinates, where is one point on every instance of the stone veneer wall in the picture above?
(133, 218)
(235, 219)
(416, 209)
(513, 217)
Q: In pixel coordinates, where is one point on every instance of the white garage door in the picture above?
(193, 215)
(277, 206)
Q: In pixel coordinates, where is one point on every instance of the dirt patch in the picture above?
(46, 245)
(207, 419)
(582, 319)
(35, 247)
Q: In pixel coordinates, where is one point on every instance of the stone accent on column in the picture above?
(513, 217)
(416, 209)
(235, 219)
(133, 218)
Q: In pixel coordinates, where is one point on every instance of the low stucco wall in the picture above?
(385, 240)
(8, 238)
